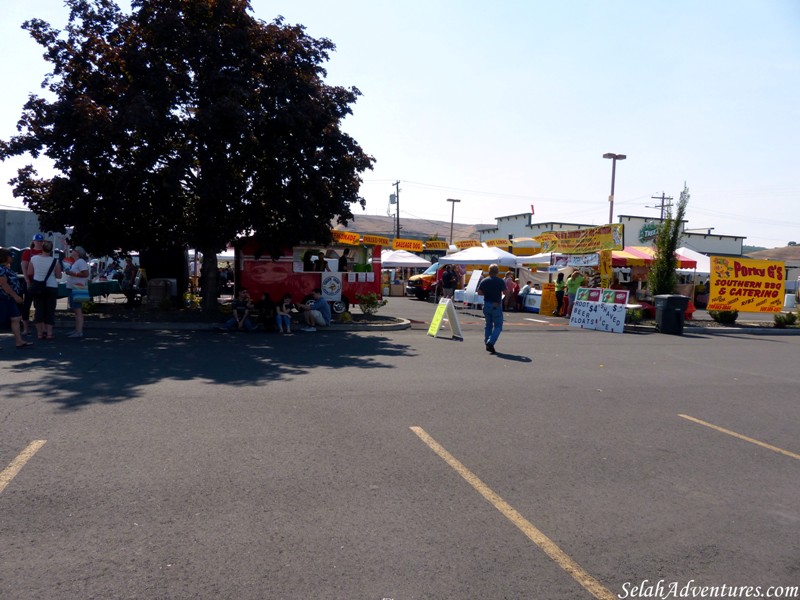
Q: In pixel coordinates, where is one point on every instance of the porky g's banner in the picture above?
(746, 285)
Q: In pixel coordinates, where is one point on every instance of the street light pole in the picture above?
(614, 158)
(452, 216)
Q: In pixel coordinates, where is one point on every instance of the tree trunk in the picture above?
(209, 280)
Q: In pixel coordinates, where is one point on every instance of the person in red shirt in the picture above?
(35, 249)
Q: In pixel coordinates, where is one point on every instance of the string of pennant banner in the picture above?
(607, 237)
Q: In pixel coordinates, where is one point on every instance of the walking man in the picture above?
(491, 288)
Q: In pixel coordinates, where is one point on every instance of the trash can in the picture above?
(670, 313)
(157, 291)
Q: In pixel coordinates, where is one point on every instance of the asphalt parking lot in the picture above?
(573, 464)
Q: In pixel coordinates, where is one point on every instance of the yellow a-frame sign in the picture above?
(445, 307)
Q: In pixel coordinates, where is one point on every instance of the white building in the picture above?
(17, 228)
(521, 226)
(639, 231)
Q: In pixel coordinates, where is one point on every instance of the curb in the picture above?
(166, 326)
(717, 330)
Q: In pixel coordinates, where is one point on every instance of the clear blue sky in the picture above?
(514, 104)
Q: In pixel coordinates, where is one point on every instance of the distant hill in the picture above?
(788, 254)
(411, 228)
(749, 249)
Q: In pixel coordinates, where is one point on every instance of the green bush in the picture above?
(633, 315)
(784, 320)
(369, 303)
(724, 317)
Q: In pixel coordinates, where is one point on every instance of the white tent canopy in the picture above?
(402, 259)
(480, 255)
(536, 259)
(703, 261)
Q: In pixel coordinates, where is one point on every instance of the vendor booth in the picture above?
(396, 265)
(481, 255)
(698, 278)
(631, 266)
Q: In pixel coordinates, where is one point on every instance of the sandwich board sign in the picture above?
(445, 311)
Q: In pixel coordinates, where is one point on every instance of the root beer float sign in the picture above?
(746, 285)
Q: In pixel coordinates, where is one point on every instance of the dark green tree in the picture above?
(662, 277)
(187, 122)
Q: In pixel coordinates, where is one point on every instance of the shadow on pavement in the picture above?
(514, 357)
(78, 373)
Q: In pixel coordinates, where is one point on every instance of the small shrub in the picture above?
(345, 317)
(784, 320)
(369, 303)
(191, 300)
(633, 316)
(724, 317)
(88, 307)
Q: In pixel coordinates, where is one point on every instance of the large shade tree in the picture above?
(186, 122)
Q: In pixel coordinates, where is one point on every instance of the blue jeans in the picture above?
(493, 314)
(247, 325)
(284, 322)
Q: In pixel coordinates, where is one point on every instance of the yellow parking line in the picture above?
(7, 474)
(547, 545)
(742, 437)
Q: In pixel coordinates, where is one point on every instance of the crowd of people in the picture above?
(36, 286)
(267, 315)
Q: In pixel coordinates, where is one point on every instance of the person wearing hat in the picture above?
(34, 250)
(78, 286)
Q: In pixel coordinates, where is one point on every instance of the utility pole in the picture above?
(397, 202)
(452, 216)
(614, 158)
(664, 204)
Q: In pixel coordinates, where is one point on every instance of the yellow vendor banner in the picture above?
(346, 237)
(605, 268)
(410, 245)
(498, 243)
(583, 241)
(746, 285)
(375, 240)
(436, 245)
(462, 244)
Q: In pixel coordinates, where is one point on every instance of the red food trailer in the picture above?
(304, 267)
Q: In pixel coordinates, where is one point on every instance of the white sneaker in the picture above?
(310, 329)
(75, 334)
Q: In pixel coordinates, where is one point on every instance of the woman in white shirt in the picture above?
(78, 285)
(45, 303)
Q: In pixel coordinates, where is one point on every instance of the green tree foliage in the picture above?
(187, 122)
(662, 278)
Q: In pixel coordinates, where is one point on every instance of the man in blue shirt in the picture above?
(318, 314)
(492, 289)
